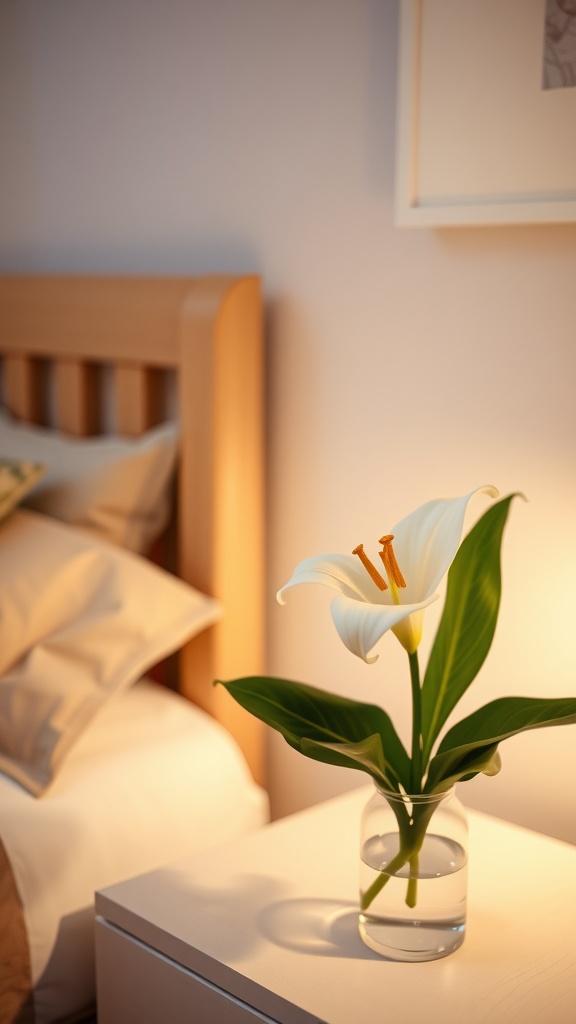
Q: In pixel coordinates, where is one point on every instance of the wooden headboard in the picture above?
(87, 355)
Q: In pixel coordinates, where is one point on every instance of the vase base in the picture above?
(411, 941)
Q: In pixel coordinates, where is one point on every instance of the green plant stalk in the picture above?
(416, 773)
(412, 887)
(416, 770)
(412, 828)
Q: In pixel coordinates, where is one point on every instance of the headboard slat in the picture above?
(138, 398)
(22, 388)
(76, 385)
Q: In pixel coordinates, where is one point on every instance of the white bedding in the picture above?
(151, 780)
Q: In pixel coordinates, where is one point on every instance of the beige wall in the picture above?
(192, 135)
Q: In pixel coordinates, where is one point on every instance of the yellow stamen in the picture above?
(390, 564)
(370, 569)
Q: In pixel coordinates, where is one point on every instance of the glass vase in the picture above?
(413, 879)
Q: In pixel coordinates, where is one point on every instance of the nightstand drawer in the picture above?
(137, 985)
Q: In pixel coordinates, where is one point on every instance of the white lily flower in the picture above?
(368, 603)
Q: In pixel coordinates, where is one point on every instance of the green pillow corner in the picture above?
(17, 478)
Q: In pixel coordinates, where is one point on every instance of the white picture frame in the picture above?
(479, 138)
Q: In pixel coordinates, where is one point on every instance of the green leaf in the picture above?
(367, 755)
(310, 719)
(485, 728)
(468, 621)
(461, 764)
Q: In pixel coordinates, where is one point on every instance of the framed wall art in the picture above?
(486, 112)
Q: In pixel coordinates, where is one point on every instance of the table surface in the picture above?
(272, 919)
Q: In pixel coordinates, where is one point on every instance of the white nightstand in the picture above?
(265, 930)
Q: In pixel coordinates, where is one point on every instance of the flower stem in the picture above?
(382, 878)
(416, 768)
(412, 828)
(412, 889)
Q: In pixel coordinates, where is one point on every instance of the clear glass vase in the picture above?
(413, 878)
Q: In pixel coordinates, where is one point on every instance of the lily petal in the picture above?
(426, 542)
(343, 573)
(361, 625)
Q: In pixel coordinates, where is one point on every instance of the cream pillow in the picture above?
(80, 620)
(17, 478)
(118, 488)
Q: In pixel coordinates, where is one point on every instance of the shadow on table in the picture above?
(320, 927)
(250, 908)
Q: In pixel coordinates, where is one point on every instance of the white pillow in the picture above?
(80, 620)
(118, 488)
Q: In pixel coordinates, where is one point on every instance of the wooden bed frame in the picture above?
(195, 341)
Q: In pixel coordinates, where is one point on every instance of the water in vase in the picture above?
(436, 925)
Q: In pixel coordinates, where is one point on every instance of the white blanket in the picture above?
(152, 780)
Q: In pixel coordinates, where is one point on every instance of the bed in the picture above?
(131, 577)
